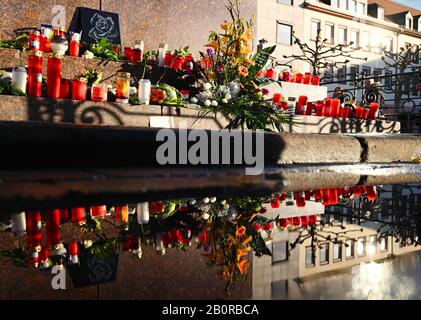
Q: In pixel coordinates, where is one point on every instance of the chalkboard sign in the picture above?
(93, 270)
(97, 25)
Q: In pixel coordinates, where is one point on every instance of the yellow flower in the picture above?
(243, 266)
(245, 50)
(226, 272)
(242, 252)
(213, 44)
(240, 231)
(249, 62)
(243, 71)
(247, 34)
(226, 26)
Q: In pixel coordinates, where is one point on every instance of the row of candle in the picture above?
(330, 107)
(326, 196)
(286, 76)
(299, 221)
(54, 40)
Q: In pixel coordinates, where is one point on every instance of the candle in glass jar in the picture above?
(320, 108)
(286, 76)
(78, 215)
(74, 44)
(309, 109)
(178, 63)
(359, 112)
(34, 40)
(272, 74)
(65, 89)
(315, 81)
(20, 78)
(261, 74)
(163, 48)
(302, 100)
(189, 63)
(144, 91)
(128, 52)
(123, 87)
(299, 78)
(99, 92)
(371, 193)
(372, 113)
(277, 99)
(138, 49)
(365, 113)
(53, 226)
(53, 76)
(334, 107)
(79, 89)
(307, 78)
(169, 57)
(98, 211)
(326, 109)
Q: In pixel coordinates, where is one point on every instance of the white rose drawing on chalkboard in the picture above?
(102, 27)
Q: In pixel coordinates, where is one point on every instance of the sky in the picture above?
(412, 3)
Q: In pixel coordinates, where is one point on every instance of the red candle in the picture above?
(334, 107)
(356, 191)
(296, 221)
(33, 221)
(128, 52)
(44, 254)
(300, 200)
(277, 99)
(189, 63)
(168, 59)
(78, 215)
(53, 226)
(45, 45)
(34, 40)
(122, 214)
(137, 55)
(326, 195)
(34, 239)
(74, 49)
(307, 195)
(304, 221)
(79, 89)
(372, 113)
(299, 78)
(309, 109)
(283, 196)
(316, 81)
(320, 106)
(64, 215)
(333, 196)
(307, 78)
(53, 76)
(73, 248)
(302, 100)
(326, 109)
(261, 74)
(342, 112)
(365, 113)
(275, 203)
(318, 195)
(371, 193)
(359, 112)
(34, 85)
(286, 76)
(65, 89)
(98, 211)
(178, 63)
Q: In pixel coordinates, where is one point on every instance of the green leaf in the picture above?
(260, 59)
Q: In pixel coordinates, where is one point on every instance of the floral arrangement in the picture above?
(227, 77)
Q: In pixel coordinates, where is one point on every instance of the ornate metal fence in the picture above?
(399, 94)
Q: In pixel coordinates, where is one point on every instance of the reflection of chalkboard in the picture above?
(93, 270)
(97, 25)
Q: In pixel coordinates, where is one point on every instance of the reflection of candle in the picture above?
(309, 109)
(320, 108)
(19, 223)
(318, 195)
(307, 78)
(78, 215)
(357, 191)
(53, 226)
(374, 108)
(73, 252)
(64, 215)
(359, 112)
(334, 107)
(371, 193)
(33, 221)
(302, 100)
(365, 113)
(326, 109)
(333, 196)
(122, 214)
(142, 211)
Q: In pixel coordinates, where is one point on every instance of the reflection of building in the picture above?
(281, 275)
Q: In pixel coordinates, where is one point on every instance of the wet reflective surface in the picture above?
(358, 242)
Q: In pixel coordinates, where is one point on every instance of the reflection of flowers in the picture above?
(99, 271)
(102, 27)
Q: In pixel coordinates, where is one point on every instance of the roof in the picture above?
(392, 7)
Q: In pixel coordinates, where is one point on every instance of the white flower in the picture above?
(207, 86)
(133, 90)
(224, 101)
(192, 202)
(212, 200)
(226, 206)
(228, 96)
(207, 103)
(214, 103)
(206, 216)
(206, 200)
(223, 201)
(194, 100)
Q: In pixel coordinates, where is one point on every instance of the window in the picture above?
(361, 8)
(383, 244)
(388, 44)
(388, 84)
(342, 4)
(309, 257)
(328, 72)
(367, 71)
(355, 38)
(361, 247)
(289, 2)
(343, 35)
(341, 75)
(366, 41)
(372, 245)
(380, 13)
(330, 33)
(324, 253)
(377, 72)
(279, 251)
(284, 34)
(376, 43)
(315, 27)
(337, 252)
(352, 5)
(353, 70)
(349, 252)
(409, 23)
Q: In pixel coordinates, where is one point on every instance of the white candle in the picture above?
(19, 224)
(144, 92)
(19, 78)
(163, 48)
(143, 213)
